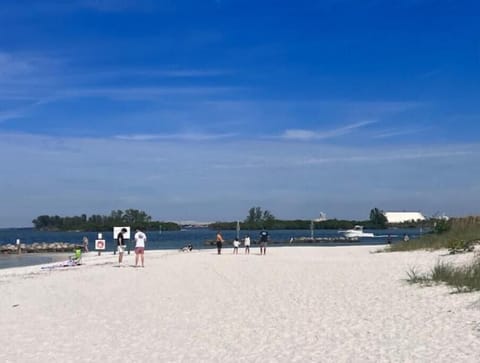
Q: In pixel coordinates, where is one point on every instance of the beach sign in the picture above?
(117, 230)
(100, 244)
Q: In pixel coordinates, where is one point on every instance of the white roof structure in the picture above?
(321, 218)
(400, 217)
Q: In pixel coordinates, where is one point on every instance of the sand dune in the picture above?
(296, 304)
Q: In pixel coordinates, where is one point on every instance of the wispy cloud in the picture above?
(9, 115)
(18, 66)
(39, 79)
(17, 8)
(139, 92)
(137, 75)
(394, 133)
(169, 168)
(177, 136)
(110, 5)
(300, 134)
(398, 155)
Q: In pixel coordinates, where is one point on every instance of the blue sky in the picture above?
(198, 110)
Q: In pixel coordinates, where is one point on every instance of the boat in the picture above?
(356, 232)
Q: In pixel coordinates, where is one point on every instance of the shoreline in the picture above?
(294, 304)
(11, 260)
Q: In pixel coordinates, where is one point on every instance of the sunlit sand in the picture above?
(296, 304)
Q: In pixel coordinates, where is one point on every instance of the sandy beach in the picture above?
(296, 304)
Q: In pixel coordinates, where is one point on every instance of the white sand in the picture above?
(297, 304)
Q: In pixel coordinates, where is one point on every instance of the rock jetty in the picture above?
(39, 247)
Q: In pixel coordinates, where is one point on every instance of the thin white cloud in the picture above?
(298, 134)
(177, 136)
(168, 73)
(17, 8)
(11, 67)
(139, 92)
(394, 133)
(107, 5)
(397, 155)
(34, 79)
(10, 115)
(224, 177)
(301, 134)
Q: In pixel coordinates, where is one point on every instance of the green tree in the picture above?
(268, 220)
(136, 218)
(377, 217)
(258, 219)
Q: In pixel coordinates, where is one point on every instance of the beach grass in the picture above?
(462, 278)
(457, 235)
(414, 277)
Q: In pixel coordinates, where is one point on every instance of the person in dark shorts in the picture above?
(263, 242)
(219, 240)
(121, 244)
(236, 244)
(246, 242)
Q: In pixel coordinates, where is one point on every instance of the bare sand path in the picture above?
(296, 304)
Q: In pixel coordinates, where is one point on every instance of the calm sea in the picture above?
(173, 240)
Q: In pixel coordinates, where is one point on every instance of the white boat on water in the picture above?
(356, 232)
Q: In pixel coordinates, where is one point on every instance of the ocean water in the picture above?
(7, 261)
(176, 240)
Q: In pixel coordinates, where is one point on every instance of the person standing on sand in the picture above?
(85, 243)
(121, 244)
(219, 240)
(246, 242)
(236, 244)
(263, 242)
(140, 239)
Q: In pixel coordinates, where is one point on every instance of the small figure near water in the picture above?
(85, 243)
(236, 244)
(219, 239)
(246, 242)
(406, 238)
(389, 239)
(263, 242)
(187, 248)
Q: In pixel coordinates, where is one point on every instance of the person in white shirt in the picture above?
(246, 242)
(236, 244)
(140, 239)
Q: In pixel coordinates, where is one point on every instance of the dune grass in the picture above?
(458, 234)
(462, 278)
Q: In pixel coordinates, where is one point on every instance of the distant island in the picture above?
(256, 219)
(96, 222)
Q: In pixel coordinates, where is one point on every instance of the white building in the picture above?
(321, 218)
(400, 217)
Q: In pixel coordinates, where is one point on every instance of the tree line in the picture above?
(259, 219)
(256, 219)
(96, 222)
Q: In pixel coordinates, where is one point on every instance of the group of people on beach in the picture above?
(140, 240)
(263, 240)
